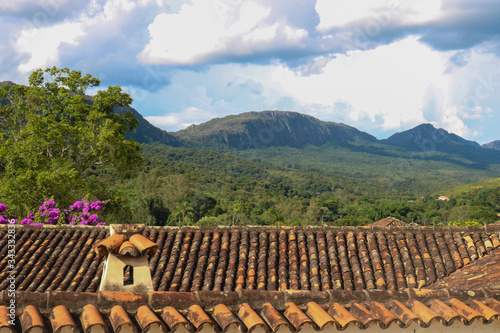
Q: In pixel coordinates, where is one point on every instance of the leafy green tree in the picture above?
(183, 213)
(313, 213)
(202, 204)
(51, 134)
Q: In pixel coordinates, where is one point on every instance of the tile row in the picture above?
(247, 318)
(190, 259)
(228, 260)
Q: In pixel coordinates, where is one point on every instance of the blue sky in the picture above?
(380, 66)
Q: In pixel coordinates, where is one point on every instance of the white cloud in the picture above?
(163, 121)
(42, 45)
(179, 120)
(334, 14)
(452, 122)
(389, 82)
(383, 89)
(207, 29)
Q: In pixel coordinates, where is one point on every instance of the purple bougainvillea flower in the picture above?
(93, 219)
(3, 208)
(86, 207)
(76, 206)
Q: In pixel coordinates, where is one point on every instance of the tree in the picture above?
(51, 133)
(313, 213)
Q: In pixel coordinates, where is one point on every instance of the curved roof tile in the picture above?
(92, 317)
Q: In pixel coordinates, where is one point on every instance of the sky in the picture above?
(380, 66)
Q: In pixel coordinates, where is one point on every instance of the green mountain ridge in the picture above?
(270, 128)
(424, 156)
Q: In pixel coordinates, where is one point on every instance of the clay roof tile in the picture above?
(247, 258)
(390, 222)
(494, 304)
(173, 318)
(403, 313)
(31, 318)
(61, 318)
(468, 313)
(444, 311)
(273, 317)
(120, 319)
(92, 317)
(225, 318)
(110, 244)
(148, 320)
(341, 315)
(250, 318)
(487, 312)
(198, 317)
(320, 317)
(144, 245)
(364, 316)
(425, 314)
(4, 318)
(296, 316)
(383, 314)
(127, 248)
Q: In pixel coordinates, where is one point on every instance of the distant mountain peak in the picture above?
(426, 134)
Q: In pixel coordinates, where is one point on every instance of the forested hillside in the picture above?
(193, 186)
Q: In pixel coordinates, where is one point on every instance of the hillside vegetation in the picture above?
(195, 186)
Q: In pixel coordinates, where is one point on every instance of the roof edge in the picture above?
(156, 300)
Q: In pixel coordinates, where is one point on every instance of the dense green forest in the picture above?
(189, 186)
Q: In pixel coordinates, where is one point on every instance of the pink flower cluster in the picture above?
(86, 217)
(81, 212)
(4, 219)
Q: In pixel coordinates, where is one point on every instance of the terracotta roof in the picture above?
(482, 272)
(389, 222)
(228, 259)
(256, 278)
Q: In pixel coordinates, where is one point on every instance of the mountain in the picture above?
(145, 132)
(424, 136)
(281, 137)
(492, 145)
(7, 83)
(270, 128)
